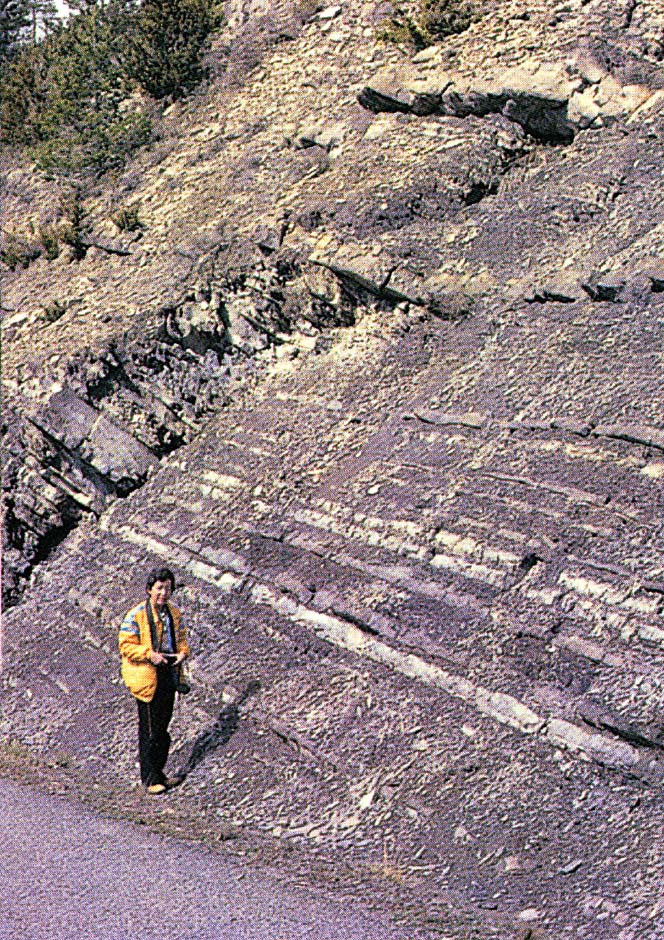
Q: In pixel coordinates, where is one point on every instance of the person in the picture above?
(153, 644)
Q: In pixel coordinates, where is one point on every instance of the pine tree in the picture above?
(23, 95)
(66, 98)
(166, 43)
(66, 94)
(14, 26)
(43, 18)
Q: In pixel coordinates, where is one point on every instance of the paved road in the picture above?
(66, 874)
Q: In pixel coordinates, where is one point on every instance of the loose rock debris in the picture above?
(387, 394)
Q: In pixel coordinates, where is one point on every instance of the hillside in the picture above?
(381, 376)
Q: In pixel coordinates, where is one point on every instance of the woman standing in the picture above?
(153, 643)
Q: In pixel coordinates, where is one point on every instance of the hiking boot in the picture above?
(155, 789)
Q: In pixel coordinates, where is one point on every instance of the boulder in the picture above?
(604, 287)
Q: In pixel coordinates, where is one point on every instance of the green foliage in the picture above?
(85, 123)
(95, 143)
(23, 94)
(66, 98)
(401, 29)
(436, 20)
(24, 23)
(44, 18)
(53, 311)
(69, 230)
(21, 247)
(70, 99)
(127, 219)
(49, 239)
(18, 251)
(14, 22)
(72, 226)
(166, 42)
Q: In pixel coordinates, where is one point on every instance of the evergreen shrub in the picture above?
(72, 101)
(436, 19)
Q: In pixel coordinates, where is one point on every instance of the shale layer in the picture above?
(381, 377)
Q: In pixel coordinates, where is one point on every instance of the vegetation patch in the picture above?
(435, 20)
(73, 226)
(77, 100)
(52, 312)
(164, 45)
(19, 250)
(127, 219)
(21, 247)
(48, 238)
(13, 751)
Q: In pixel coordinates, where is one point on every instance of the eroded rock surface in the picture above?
(382, 379)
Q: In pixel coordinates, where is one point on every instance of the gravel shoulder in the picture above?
(67, 872)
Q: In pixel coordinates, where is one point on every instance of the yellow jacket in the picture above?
(135, 642)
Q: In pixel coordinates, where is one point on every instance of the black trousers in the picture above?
(153, 738)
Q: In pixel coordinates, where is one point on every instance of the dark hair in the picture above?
(160, 574)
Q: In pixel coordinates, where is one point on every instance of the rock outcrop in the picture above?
(551, 101)
(382, 379)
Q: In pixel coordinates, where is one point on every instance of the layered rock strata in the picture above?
(381, 378)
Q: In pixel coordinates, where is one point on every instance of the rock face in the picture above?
(94, 424)
(382, 380)
(552, 102)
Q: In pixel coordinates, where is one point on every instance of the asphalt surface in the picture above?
(67, 874)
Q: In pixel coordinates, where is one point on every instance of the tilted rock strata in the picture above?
(551, 101)
(388, 389)
(462, 593)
